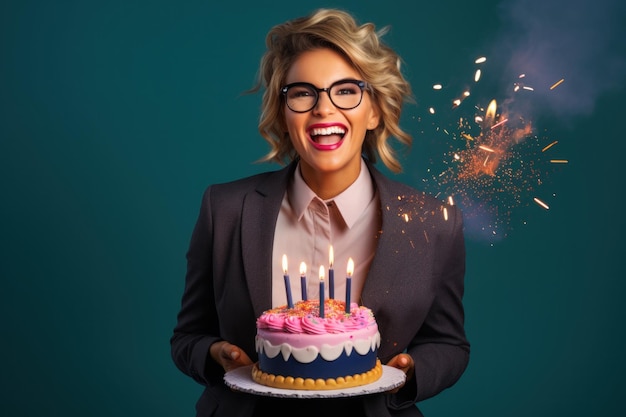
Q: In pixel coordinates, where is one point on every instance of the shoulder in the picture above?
(407, 203)
(232, 193)
(395, 191)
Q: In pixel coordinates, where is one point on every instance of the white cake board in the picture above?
(240, 379)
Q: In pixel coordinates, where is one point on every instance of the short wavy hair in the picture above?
(361, 45)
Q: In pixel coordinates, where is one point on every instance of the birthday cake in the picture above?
(298, 349)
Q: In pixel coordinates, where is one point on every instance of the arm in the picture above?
(197, 326)
(439, 350)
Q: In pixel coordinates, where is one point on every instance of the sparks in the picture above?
(559, 161)
(484, 148)
(480, 60)
(541, 203)
(556, 84)
(445, 214)
(549, 146)
(477, 75)
(499, 123)
(437, 87)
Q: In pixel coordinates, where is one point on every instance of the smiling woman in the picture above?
(332, 101)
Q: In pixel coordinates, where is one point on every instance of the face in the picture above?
(328, 139)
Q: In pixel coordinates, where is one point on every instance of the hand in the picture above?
(229, 356)
(403, 362)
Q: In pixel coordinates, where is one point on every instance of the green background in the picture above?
(114, 116)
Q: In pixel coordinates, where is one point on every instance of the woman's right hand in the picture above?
(229, 356)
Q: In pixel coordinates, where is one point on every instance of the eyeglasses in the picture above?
(344, 94)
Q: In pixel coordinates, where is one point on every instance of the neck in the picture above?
(328, 185)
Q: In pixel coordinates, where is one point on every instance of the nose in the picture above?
(324, 105)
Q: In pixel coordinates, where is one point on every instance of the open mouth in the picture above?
(327, 138)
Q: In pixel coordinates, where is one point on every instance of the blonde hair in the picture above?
(361, 45)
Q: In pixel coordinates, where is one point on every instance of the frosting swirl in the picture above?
(304, 318)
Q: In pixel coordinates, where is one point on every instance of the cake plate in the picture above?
(240, 379)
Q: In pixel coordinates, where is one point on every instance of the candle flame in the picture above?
(322, 273)
(302, 268)
(490, 113)
(285, 264)
(350, 267)
(541, 203)
(331, 256)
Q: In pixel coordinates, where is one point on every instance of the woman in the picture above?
(333, 97)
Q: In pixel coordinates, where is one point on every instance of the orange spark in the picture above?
(499, 123)
(541, 203)
(549, 146)
(556, 84)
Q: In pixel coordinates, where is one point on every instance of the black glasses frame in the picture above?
(359, 83)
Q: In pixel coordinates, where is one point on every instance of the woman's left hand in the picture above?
(403, 362)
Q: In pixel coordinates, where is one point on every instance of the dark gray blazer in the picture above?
(414, 287)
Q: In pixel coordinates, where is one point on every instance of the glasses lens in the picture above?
(301, 97)
(346, 95)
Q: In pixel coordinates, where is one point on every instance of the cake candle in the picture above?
(331, 273)
(303, 280)
(287, 283)
(322, 291)
(350, 271)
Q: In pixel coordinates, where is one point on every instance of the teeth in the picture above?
(333, 130)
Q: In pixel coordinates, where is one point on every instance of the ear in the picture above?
(374, 117)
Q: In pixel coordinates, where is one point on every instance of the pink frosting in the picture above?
(304, 318)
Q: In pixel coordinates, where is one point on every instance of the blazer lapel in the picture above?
(260, 212)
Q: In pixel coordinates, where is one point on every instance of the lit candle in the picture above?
(349, 283)
(331, 273)
(287, 283)
(303, 280)
(321, 291)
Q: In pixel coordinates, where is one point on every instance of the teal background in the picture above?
(115, 115)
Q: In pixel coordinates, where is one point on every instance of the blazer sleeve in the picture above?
(197, 324)
(441, 349)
